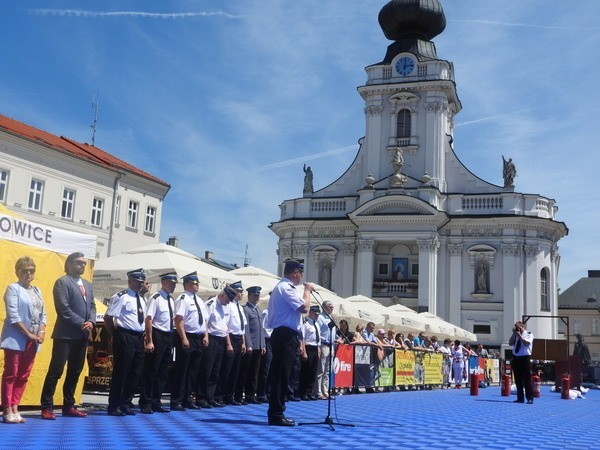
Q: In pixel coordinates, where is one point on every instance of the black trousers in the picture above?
(211, 369)
(187, 369)
(284, 343)
(230, 370)
(521, 366)
(64, 351)
(128, 363)
(248, 379)
(308, 370)
(262, 388)
(156, 369)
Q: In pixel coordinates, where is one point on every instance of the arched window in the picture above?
(544, 297)
(403, 124)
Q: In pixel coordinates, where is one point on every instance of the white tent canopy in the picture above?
(399, 321)
(343, 309)
(110, 274)
(442, 329)
(253, 276)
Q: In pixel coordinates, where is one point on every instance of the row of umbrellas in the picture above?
(110, 277)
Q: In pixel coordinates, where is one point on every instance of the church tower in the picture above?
(407, 222)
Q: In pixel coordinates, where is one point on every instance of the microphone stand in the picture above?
(328, 420)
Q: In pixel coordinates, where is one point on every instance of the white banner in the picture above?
(42, 236)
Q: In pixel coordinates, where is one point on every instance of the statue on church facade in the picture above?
(509, 172)
(482, 280)
(308, 180)
(398, 179)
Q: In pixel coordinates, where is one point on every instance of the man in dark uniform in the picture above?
(286, 307)
(158, 345)
(255, 348)
(238, 330)
(191, 341)
(219, 315)
(124, 321)
(76, 318)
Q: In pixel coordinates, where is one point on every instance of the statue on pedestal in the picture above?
(308, 180)
(509, 172)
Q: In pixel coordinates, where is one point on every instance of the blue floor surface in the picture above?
(437, 419)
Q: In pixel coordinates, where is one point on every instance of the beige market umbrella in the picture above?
(399, 321)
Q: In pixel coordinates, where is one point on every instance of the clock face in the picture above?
(405, 66)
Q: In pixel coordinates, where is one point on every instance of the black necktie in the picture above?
(200, 320)
(170, 312)
(316, 330)
(240, 313)
(139, 308)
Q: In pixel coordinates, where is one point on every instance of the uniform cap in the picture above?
(230, 292)
(291, 264)
(315, 309)
(254, 290)
(171, 276)
(237, 286)
(190, 277)
(137, 274)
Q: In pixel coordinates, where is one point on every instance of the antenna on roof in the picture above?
(247, 258)
(95, 107)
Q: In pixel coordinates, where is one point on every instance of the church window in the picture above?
(403, 124)
(544, 298)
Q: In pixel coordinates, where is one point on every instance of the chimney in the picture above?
(593, 273)
(208, 255)
(173, 241)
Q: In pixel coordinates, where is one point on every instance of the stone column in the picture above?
(511, 287)
(427, 300)
(348, 272)
(455, 287)
(364, 267)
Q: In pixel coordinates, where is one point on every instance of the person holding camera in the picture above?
(522, 343)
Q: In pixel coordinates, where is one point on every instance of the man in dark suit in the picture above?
(76, 317)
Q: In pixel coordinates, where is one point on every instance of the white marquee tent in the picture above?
(399, 321)
(110, 274)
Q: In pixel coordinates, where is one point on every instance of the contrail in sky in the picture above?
(525, 25)
(497, 116)
(151, 15)
(305, 158)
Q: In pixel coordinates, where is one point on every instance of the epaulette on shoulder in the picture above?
(123, 292)
(182, 296)
(292, 286)
(210, 302)
(155, 296)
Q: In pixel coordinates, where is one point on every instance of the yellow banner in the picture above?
(49, 267)
(405, 367)
(432, 363)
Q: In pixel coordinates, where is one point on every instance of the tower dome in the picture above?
(406, 19)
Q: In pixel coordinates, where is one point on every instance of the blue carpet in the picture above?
(437, 419)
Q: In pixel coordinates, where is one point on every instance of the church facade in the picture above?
(407, 222)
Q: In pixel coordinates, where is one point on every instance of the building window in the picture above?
(150, 219)
(595, 327)
(117, 209)
(68, 203)
(482, 329)
(97, 207)
(36, 189)
(132, 214)
(576, 326)
(403, 124)
(544, 297)
(3, 185)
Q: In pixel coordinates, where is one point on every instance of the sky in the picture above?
(226, 100)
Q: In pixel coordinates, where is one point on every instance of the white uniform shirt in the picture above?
(524, 350)
(237, 318)
(309, 333)
(284, 306)
(265, 316)
(123, 307)
(219, 317)
(158, 310)
(186, 309)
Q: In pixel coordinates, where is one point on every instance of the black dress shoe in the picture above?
(313, 397)
(232, 402)
(160, 409)
(305, 398)
(189, 405)
(116, 413)
(530, 401)
(519, 401)
(146, 410)
(241, 401)
(282, 422)
(204, 404)
(253, 401)
(262, 399)
(180, 407)
(292, 398)
(128, 411)
(216, 404)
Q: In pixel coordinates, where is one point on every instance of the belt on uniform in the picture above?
(212, 336)
(236, 337)
(132, 332)
(161, 331)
